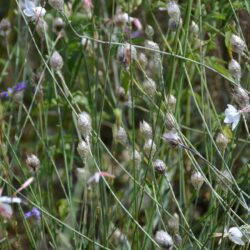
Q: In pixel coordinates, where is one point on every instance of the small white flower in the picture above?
(235, 235)
(232, 116)
(33, 11)
(172, 138)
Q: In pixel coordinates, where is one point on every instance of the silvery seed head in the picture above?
(174, 224)
(197, 180)
(136, 156)
(33, 162)
(237, 44)
(145, 130)
(151, 45)
(149, 87)
(173, 10)
(149, 148)
(83, 149)
(240, 96)
(170, 121)
(57, 4)
(120, 135)
(84, 124)
(221, 141)
(164, 240)
(56, 61)
(126, 54)
(235, 70)
(143, 60)
(172, 138)
(194, 28)
(171, 102)
(159, 166)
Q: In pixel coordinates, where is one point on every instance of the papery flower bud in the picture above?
(240, 96)
(41, 27)
(149, 147)
(145, 130)
(121, 19)
(170, 121)
(235, 235)
(56, 61)
(171, 102)
(174, 24)
(235, 69)
(237, 44)
(120, 135)
(143, 60)
(83, 149)
(172, 138)
(164, 240)
(33, 162)
(173, 10)
(121, 94)
(58, 25)
(197, 180)
(149, 31)
(221, 141)
(84, 124)
(149, 87)
(174, 224)
(5, 27)
(159, 166)
(151, 45)
(225, 179)
(126, 54)
(194, 28)
(137, 157)
(18, 96)
(57, 4)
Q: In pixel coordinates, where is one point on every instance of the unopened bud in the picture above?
(171, 102)
(173, 10)
(151, 45)
(56, 61)
(164, 240)
(194, 28)
(221, 141)
(5, 27)
(41, 27)
(237, 44)
(174, 224)
(58, 25)
(83, 149)
(172, 138)
(84, 124)
(33, 162)
(126, 54)
(143, 60)
(225, 179)
(235, 69)
(149, 87)
(170, 121)
(149, 31)
(197, 180)
(159, 166)
(136, 156)
(121, 94)
(145, 130)
(120, 135)
(149, 147)
(241, 97)
(57, 4)
(174, 24)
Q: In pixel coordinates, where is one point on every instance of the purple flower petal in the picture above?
(35, 212)
(20, 86)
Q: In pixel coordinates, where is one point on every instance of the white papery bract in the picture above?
(32, 11)
(232, 116)
(235, 235)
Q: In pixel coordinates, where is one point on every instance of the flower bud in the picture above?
(159, 166)
(173, 10)
(174, 24)
(221, 141)
(149, 31)
(126, 54)
(164, 240)
(137, 157)
(58, 25)
(237, 44)
(33, 162)
(84, 124)
(149, 147)
(225, 179)
(121, 94)
(170, 121)
(194, 28)
(5, 27)
(149, 87)
(235, 70)
(174, 224)
(56, 61)
(41, 27)
(197, 180)
(120, 135)
(145, 130)
(241, 96)
(57, 4)
(83, 149)
(172, 138)
(171, 102)
(143, 60)
(151, 45)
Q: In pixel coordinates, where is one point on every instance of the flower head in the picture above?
(32, 11)
(10, 91)
(232, 116)
(164, 239)
(235, 235)
(35, 212)
(96, 177)
(172, 138)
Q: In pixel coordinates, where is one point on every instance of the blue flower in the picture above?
(35, 212)
(18, 88)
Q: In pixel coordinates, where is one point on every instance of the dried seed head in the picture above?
(121, 94)
(159, 166)
(195, 28)
(170, 121)
(241, 96)
(83, 149)
(145, 130)
(143, 60)
(57, 4)
(174, 24)
(197, 180)
(221, 141)
(172, 138)
(173, 10)
(164, 240)
(174, 224)
(237, 44)
(149, 87)
(120, 135)
(41, 27)
(151, 45)
(235, 69)
(5, 27)
(171, 102)
(58, 25)
(126, 54)
(33, 162)
(56, 61)
(84, 124)
(225, 179)
(149, 147)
